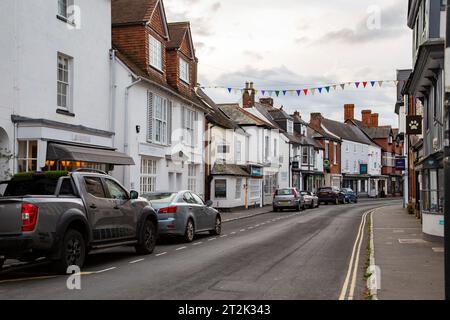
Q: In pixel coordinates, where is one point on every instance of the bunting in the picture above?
(360, 85)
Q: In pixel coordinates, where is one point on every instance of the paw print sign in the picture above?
(414, 125)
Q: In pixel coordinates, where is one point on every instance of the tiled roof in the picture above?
(177, 32)
(299, 120)
(378, 133)
(229, 170)
(346, 131)
(141, 73)
(132, 11)
(216, 115)
(243, 117)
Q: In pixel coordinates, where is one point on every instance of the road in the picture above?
(280, 256)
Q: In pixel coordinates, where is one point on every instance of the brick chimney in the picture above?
(316, 121)
(268, 101)
(374, 120)
(366, 117)
(248, 98)
(349, 112)
(297, 114)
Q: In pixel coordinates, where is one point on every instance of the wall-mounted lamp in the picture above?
(138, 129)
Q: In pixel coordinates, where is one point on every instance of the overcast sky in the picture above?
(294, 44)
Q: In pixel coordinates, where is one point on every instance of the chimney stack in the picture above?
(374, 120)
(366, 117)
(349, 112)
(316, 121)
(248, 97)
(297, 114)
(268, 101)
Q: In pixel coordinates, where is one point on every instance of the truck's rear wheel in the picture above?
(73, 251)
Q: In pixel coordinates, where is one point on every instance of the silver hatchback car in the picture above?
(288, 198)
(184, 214)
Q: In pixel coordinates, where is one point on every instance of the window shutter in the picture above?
(169, 123)
(196, 130)
(149, 116)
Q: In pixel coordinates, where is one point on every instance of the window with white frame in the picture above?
(347, 147)
(189, 119)
(275, 148)
(305, 156)
(184, 70)
(160, 120)
(238, 151)
(64, 7)
(192, 178)
(290, 126)
(347, 167)
(148, 175)
(64, 88)
(238, 189)
(155, 53)
(312, 156)
(27, 157)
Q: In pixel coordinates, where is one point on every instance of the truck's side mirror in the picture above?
(134, 195)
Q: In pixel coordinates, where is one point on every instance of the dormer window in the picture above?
(290, 127)
(184, 70)
(155, 53)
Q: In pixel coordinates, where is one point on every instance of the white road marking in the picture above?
(349, 272)
(233, 232)
(106, 270)
(212, 239)
(161, 254)
(243, 230)
(197, 243)
(251, 228)
(225, 235)
(136, 261)
(182, 248)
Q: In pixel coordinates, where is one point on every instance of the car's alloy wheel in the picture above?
(190, 231)
(147, 239)
(217, 227)
(73, 251)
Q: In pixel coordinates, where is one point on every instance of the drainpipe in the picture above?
(112, 88)
(126, 171)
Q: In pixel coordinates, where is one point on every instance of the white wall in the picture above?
(350, 157)
(374, 161)
(135, 106)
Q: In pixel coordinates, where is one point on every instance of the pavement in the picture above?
(411, 268)
(275, 256)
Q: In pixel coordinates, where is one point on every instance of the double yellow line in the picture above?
(348, 290)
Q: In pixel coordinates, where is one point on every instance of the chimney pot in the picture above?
(366, 117)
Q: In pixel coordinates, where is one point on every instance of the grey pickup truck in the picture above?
(63, 216)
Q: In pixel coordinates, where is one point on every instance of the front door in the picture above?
(122, 203)
(101, 213)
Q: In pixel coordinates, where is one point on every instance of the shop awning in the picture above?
(60, 152)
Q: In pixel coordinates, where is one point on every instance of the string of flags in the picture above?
(311, 90)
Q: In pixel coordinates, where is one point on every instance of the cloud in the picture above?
(329, 104)
(253, 55)
(378, 24)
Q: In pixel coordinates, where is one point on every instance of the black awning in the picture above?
(63, 152)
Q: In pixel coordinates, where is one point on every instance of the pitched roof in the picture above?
(132, 11)
(177, 32)
(216, 115)
(298, 120)
(229, 170)
(279, 114)
(346, 131)
(143, 74)
(373, 133)
(243, 117)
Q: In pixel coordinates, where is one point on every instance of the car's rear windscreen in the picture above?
(33, 185)
(284, 192)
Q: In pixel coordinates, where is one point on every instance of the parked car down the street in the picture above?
(288, 198)
(62, 216)
(350, 195)
(332, 195)
(311, 200)
(184, 214)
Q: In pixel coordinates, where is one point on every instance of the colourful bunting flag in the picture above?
(328, 89)
(357, 84)
(277, 93)
(313, 91)
(320, 90)
(380, 83)
(343, 86)
(284, 92)
(372, 83)
(299, 92)
(305, 91)
(334, 87)
(263, 92)
(365, 84)
(229, 90)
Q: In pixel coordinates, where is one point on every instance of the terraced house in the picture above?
(159, 119)
(55, 86)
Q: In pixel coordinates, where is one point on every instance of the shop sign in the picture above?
(256, 172)
(414, 125)
(363, 169)
(400, 164)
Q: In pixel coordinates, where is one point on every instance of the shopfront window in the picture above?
(27, 157)
(432, 191)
